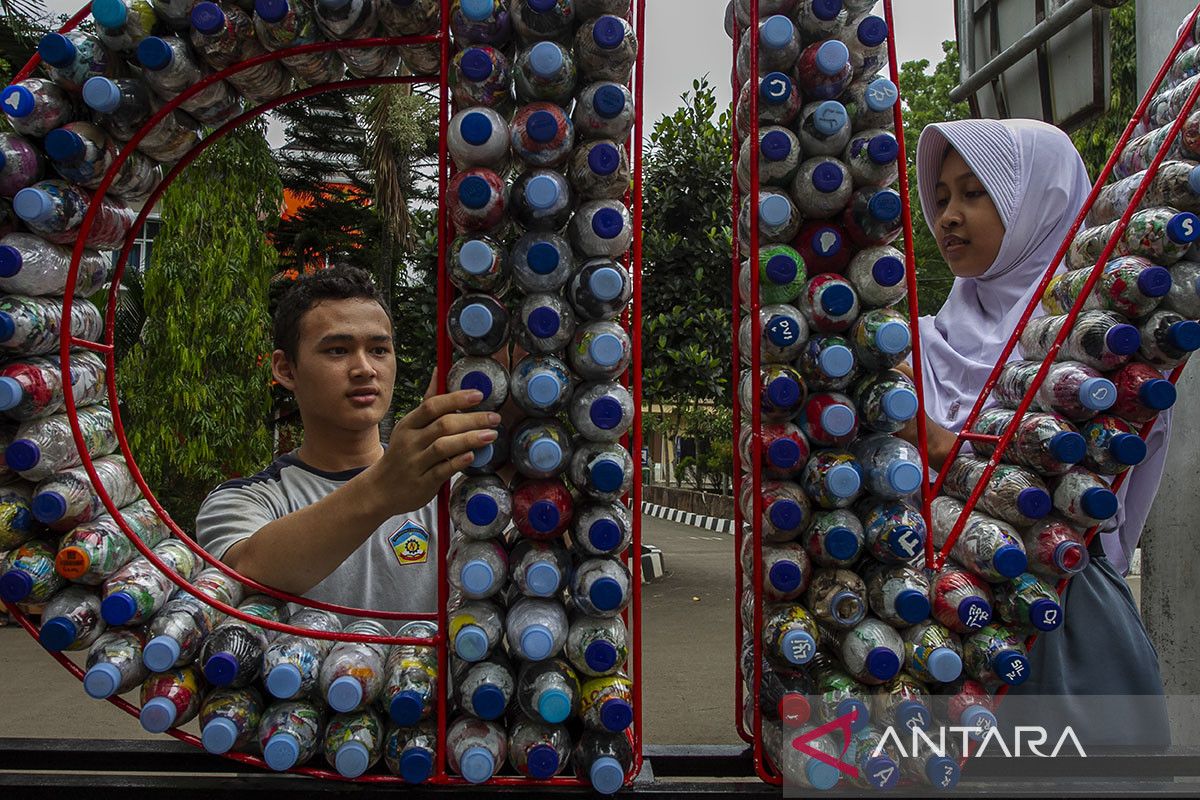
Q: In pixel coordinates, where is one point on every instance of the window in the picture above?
(143, 245)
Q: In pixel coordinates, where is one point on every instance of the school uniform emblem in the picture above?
(410, 543)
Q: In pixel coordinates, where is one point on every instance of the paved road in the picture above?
(687, 647)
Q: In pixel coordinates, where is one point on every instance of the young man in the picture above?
(342, 519)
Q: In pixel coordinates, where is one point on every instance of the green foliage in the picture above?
(414, 309)
(1097, 139)
(709, 427)
(196, 386)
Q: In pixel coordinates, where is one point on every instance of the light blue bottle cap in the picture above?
(830, 117)
(1123, 339)
(541, 127)
(775, 146)
(885, 205)
(606, 413)
(836, 361)
(942, 772)
(100, 94)
(832, 56)
(544, 516)
(775, 88)
(1034, 502)
(154, 53)
(1127, 448)
(607, 475)
(542, 761)
(1157, 394)
(827, 177)
(979, 718)
(352, 759)
(207, 18)
(542, 579)
(606, 283)
(281, 752)
(477, 577)
(109, 13)
(483, 456)
(482, 509)
(838, 419)
(477, 10)
(604, 535)
(606, 350)
(546, 59)
(476, 320)
(820, 775)
(102, 681)
(785, 576)
(776, 32)
(881, 95)
(1045, 614)
(904, 476)
(33, 205)
(944, 664)
(603, 159)
(782, 331)
(221, 669)
(219, 735)
(554, 705)
(774, 210)
(616, 714)
(488, 701)
(284, 681)
(478, 380)
(974, 612)
(1184, 228)
(606, 594)
(543, 258)
(872, 31)
(63, 144)
(899, 404)
(543, 322)
(862, 714)
(609, 101)
(158, 715)
(783, 454)
(912, 605)
(786, 515)
(881, 772)
(798, 647)
(1098, 503)
(607, 223)
(19, 101)
(1068, 447)
(537, 643)
(475, 63)
(883, 663)
(826, 10)
(160, 653)
(1154, 281)
(1013, 668)
(1185, 335)
(476, 128)
(910, 713)
(118, 608)
(893, 337)
(546, 455)
(607, 775)
(1097, 393)
(837, 299)
(783, 392)
(474, 192)
(841, 543)
(843, 480)
(271, 10)
(345, 694)
(883, 149)
(782, 269)
(1010, 560)
(608, 32)
(57, 634)
(416, 765)
(600, 656)
(57, 50)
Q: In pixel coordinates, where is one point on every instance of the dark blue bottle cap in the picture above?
(783, 392)
(488, 701)
(836, 361)
(837, 299)
(99, 93)
(352, 759)
(1154, 281)
(102, 681)
(885, 205)
(7, 329)
(1123, 339)
(546, 455)
(542, 6)
(1045, 614)
(536, 642)
(974, 612)
(118, 608)
(406, 707)
(1184, 228)
(416, 765)
(474, 192)
(158, 715)
(221, 669)
(1127, 448)
(881, 95)
(775, 88)
(882, 663)
(546, 59)
(843, 480)
(942, 772)
(57, 50)
(979, 718)
(161, 653)
(49, 506)
(1098, 503)
(479, 381)
(154, 53)
(1185, 335)
(881, 772)
(57, 634)
(838, 419)
(603, 159)
(899, 404)
(827, 177)
(841, 543)
(600, 656)
(781, 269)
(607, 775)
(542, 127)
(604, 535)
(476, 64)
(782, 331)
(861, 713)
(476, 128)
(284, 681)
(543, 322)
(109, 13)
(775, 146)
(477, 10)
(785, 576)
(542, 579)
(606, 350)
(471, 643)
(606, 283)
(477, 578)
(912, 713)
(783, 454)
(607, 475)
(774, 210)
(281, 752)
(63, 145)
(607, 223)
(1012, 667)
(608, 32)
(544, 516)
(606, 413)
(542, 761)
(776, 32)
(826, 10)
(832, 56)
(883, 149)
(271, 10)
(1034, 502)
(207, 18)
(18, 101)
(1157, 394)
(1097, 393)
(33, 205)
(543, 258)
(829, 117)
(219, 735)
(872, 31)
(944, 664)
(826, 241)
(1068, 447)
(22, 454)
(798, 647)
(616, 714)
(786, 515)
(888, 271)
(904, 476)
(476, 320)
(1010, 560)
(11, 261)
(893, 337)
(609, 100)
(482, 509)
(606, 594)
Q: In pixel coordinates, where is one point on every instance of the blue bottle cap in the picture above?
(881, 95)
(1157, 394)
(543, 258)
(546, 455)
(281, 752)
(1068, 447)
(608, 32)
(887, 271)
(843, 480)
(776, 32)
(537, 643)
(542, 579)
(207, 18)
(1184, 228)
(1127, 448)
(542, 6)
(607, 475)
(554, 705)
(543, 322)
(63, 145)
(101, 681)
(616, 714)
(221, 669)
(781, 269)
(488, 701)
(344, 694)
(899, 404)
(881, 772)
(607, 223)
(606, 594)
(160, 653)
(847, 608)
(33, 205)
(829, 117)
(7, 328)
(118, 608)
(271, 10)
(883, 663)
(942, 772)
(57, 50)
(783, 392)
(1185, 335)
(476, 320)
(1123, 339)
(482, 509)
(1098, 503)
(904, 476)
(544, 516)
(600, 656)
(476, 128)
(542, 127)
(977, 717)
(48, 506)
(1010, 560)
(606, 413)
(1013, 668)
(832, 56)
(99, 93)
(775, 146)
(798, 647)
(284, 681)
(478, 380)
(893, 337)
(22, 454)
(786, 515)
(219, 735)
(604, 535)
(837, 299)
(826, 10)
(826, 241)
(154, 53)
(333, 5)
(606, 283)
(774, 210)
(1045, 614)
(158, 715)
(609, 101)
(606, 350)
(607, 775)
(476, 64)
(885, 205)
(841, 543)
(57, 634)
(11, 261)
(352, 759)
(944, 664)
(836, 361)
(474, 192)
(1034, 502)
(483, 456)
(827, 177)
(19, 101)
(883, 149)
(910, 713)
(546, 59)
(416, 765)
(783, 454)
(775, 88)
(109, 13)
(477, 577)
(1097, 393)
(1154, 281)
(974, 612)
(603, 159)
(872, 31)
(838, 419)
(782, 331)
(785, 576)
(542, 761)
(477, 10)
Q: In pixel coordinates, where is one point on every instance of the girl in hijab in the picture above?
(999, 198)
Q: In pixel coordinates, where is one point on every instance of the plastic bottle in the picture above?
(347, 19)
(537, 750)
(824, 69)
(600, 289)
(479, 137)
(541, 448)
(229, 719)
(91, 552)
(477, 748)
(781, 396)
(988, 547)
(289, 733)
(824, 247)
(16, 516)
(894, 530)
(898, 594)
(1045, 443)
(786, 569)
(121, 24)
(542, 136)
(1055, 549)
(880, 339)
(872, 216)
(606, 49)
(478, 324)
(1013, 494)
(789, 635)
(538, 569)
(21, 164)
(1070, 389)
(877, 276)
(601, 412)
(224, 36)
(1168, 339)
(409, 752)
(603, 110)
(961, 601)
(829, 420)
(871, 158)
(114, 663)
(823, 130)
(29, 265)
(967, 703)
(353, 673)
(31, 388)
(82, 153)
(779, 102)
(1128, 285)
(596, 646)
(603, 759)
(480, 507)
(891, 466)
(1184, 297)
(55, 210)
(475, 629)
(781, 276)
(995, 655)
(601, 586)
(1162, 235)
(1112, 446)
(902, 702)
(821, 188)
(541, 261)
(291, 665)
(542, 509)
(835, 538)
(839, 694)
(123, 106)
(866, 38)
(232, 655)
(877, 760)
(353, 743)
(826, 363)
(71, 620)
(599, 170)
(1028, 604)
(601, 229)
(599, 351)
(607, 703)
(1142, 392)
(485, 22)
(778, 154)
(478, 200)
(66, 499)
(832, 479)
(169, 69)
(872, 651)
(930, 769)
(1084, 497)
(537, 20)
(783, 334)
(480, 76)
(786, 510)
(71, 58)
(536, 628)
(36, 106)
(43, 446)
(778, 219)
(784, 450)
(601, 529)
(543, 323)
(484, 688)
(282, 25)
(783, 694)
(871, 101)
(30, 326)
(27, 574)
(837, 598)
(932, 652)
(477, 567)
(545, 71)
(829, 303)
(482, 374)
(176, 632)
(885, 401)
(601, 471)
(778, 48)
(171, 698)
(548, 691)
(137, 591)
(590, 9)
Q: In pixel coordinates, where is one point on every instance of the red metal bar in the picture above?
(67, 27)
(635, 608)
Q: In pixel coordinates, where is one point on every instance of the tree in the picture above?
(1096, 139)
(196, 387)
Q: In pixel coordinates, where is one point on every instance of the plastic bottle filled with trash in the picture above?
(828, 303)
(966, 702)
(232, 655)
(545, 71)
(606, 49)
(784, 451)
(995, 655)
(596, 645)
(409, 752)
(30, 265)
(483, 374)
(988, 547)
(480, 507)
(542, 136)
(281, 24)
(27, 573)
(548, 691)
(538, 750)
(81, 153)
(821, 188)
(229, 719)
(542, 508)
(835, 538)
(291, 664)
(21, 164)
(600, 289)
(866, 37)
(1162, 235)
(16, 516)
(89, 553)
(872, 217)
(783, 333)
(962, 601)
(783, 694)
(824, 70)
(1128, 285)
(353, 673)
(114, 663)
(484, 688)
(871, 102)
(477, 748)
(600, 587)
(786, 569)
(778, 219)
(478, 324)
(778, 47)
(1055, 549)
(894, 530)
(169, 68)
(826, 363)
(477, 567)
(824, 247)
(601, 229)
(1083, 496)
(601, 529)
(606, 703)
(357, 19)
(829, 419)
(930, 769)
(33, 387)
(122, 107)
(603, 110)
(872, 651)
(789, 635)
(877, 276)
(478, 201)
(1168, 339)
(601, 470)
(898, 594)
(541, 261)
(902, 702)
(1142, 392)
(880, 339)
(1184, 297)
(779, 102)
(832, 478)
(1046, 443)
(541, 448)
(171, 698)
(1112, 445)
(485, 22)
(538, 569)
(1013, 494)
(543, 323)
(1070, 389)
(781, 276)
(877, 760)
(933, 652)
(601, 412)
(475, 629)
(885, 401)
(176, 632)
(599, 170)
(224, 36)
(781, 394)
(837, 598)
(41, 447)
(599, 351)
(30, 326)
(36, 106)
(66, 499)
(289, 733)
(353, 743)
(137, 591)
(121, 24)
(73, 57)
(480, 75)
(55, 209)
(779, 156)
(823, 129)
(479, 137)
(786, 510)
(1028, 604)
(71, 620)
(871, 158)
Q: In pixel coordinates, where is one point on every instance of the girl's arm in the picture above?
(940, 439)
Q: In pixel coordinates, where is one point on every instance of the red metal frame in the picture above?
(105, 348)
